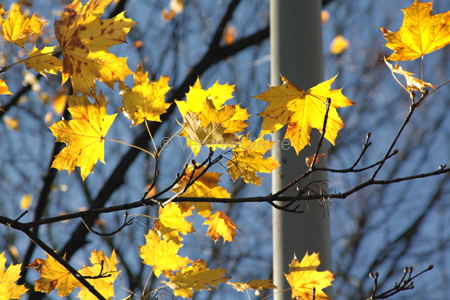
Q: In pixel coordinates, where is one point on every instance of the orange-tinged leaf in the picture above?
(167, 14)
(303, 277)
(1, 107)
(205, 186)
(4, 89)
(302, 111)
(254, 284)
(146, 100)
(421, 32)
(84, 135)
(412, 83)
(172, 222)
(161, 255)
(229, 34)
(101, 265)
(221, 226)
(248, 159)
(43, 61)
(9, 289)
(84, 39)
(53, 276)
(196, 277)
(309, 160)
(18, 29)
(325, 16)
(338, 45)
(59, 101)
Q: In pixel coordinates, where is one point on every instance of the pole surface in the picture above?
(296, 53)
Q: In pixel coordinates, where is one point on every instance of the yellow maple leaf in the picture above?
(53, 276)
(254, 284)
(205, 186)
(421, 32)
(4, 88)
(212, 135)
(106, 268)
(161, 255)
(9, 289)
(84, 40)
(207, 121)
(303, 277)
(221, 226)
(302, 111)
(146, 100)
(196, 96)
(18, 29)
(196, 277)
(43, 61)
(248, 158)
(172, 222)
(84, 135)
(412, 83)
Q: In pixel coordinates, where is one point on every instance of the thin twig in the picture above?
(125, 224)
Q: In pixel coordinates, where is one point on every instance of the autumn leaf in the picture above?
(18, 29)
(221, 226)
(4, 88)
(84, 40)
(43, 61)
(172, 222)
(9, 289)
(303, 277)
(412, 83)
(248, 159)
(309, 159)
(196, 277)
(254, 284)
(176, 7)
(25, 201)
(302, 111)
(212, 135)
(205, 186)
(218, 93)
(421, 32)
(53, 276)
(11, 123)
(146, 100)
(338, 45)
(105, 272)
(84, 135)
(161, 255)
(207, 121)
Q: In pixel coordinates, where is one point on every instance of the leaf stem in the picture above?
(139, 148)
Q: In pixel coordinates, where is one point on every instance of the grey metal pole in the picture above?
(296, 53)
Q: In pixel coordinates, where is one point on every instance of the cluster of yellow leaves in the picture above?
(8, 289)
(421, 33)
(103, 273)
(208, 122)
